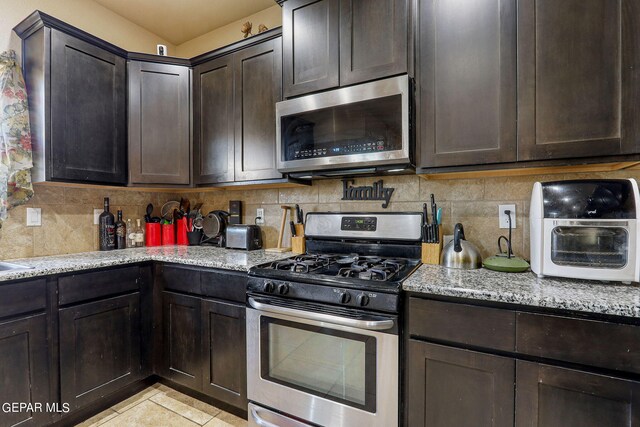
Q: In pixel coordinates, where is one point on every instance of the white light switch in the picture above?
(96, 216)
(34, 217)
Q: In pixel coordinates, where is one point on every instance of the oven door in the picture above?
(323, 365)
(363, 127)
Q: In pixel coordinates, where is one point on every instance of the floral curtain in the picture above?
(15, 137)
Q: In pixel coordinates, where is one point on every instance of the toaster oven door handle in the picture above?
(372, 324)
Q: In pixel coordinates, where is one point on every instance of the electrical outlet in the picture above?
(34, 217)
(260, 216)
(504, 219)
(96, 216)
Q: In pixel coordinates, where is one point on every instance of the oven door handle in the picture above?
(373, 324)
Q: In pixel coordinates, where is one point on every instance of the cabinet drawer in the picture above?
(17, 298)
(586, 342)
(82, 287)
(461, 323)
(228, 286)
(181, 279)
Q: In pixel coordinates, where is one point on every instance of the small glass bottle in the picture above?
(139, 234)
(131, 234)
(121, 232)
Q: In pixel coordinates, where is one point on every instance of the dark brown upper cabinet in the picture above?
(159, 123)
(213, 121)
(578, 82)
(331, 43)
(466, 73)
(311, 45)
(77, 103)
(234, 114)
(258, 86)
(373, 39)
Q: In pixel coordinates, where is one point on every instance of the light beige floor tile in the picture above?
(178, 406)
(137, 398)
(149, 414)
(99, 419)
(194, 403)
(225, 419)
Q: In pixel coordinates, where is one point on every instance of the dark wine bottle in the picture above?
(121, 232)
(107, 228)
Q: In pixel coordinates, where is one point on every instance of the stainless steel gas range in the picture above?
(322, 328)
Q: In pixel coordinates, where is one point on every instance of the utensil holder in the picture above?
(194, 237)
(431, 251)
(168, 234)
(152, 234)
(298, 245)
(181, 232)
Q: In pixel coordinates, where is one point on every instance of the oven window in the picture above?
(335, 365)
(370, 126)
(595, 247)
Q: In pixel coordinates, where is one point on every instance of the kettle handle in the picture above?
(458, 235)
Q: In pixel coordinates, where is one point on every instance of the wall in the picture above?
(84, 14)
(230, 33)
(473, 202)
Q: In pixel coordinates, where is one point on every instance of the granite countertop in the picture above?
(527, 289)
(199, 256)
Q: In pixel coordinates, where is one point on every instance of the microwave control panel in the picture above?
(341, 148)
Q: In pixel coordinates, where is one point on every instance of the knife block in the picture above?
(431, 251)
(297, 242)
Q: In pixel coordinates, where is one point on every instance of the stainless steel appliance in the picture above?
(322, 327)
(459, 253)
(242, 236)
(358, 129)
(585, 229)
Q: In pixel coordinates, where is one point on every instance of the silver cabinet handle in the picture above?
(372, 324)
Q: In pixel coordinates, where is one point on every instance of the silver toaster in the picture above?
(242, 236)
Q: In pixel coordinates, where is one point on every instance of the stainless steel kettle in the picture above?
(460, 253)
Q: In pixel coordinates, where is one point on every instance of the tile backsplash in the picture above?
(67, 212)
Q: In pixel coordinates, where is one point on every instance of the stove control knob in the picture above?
(362, 300)
(283, 288)
(268, 287)
(344, 297)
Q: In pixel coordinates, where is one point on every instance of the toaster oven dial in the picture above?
(283, 288)
(362, 300)
(268, 287)
(344, 297)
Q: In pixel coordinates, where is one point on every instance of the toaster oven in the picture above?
(585, 229)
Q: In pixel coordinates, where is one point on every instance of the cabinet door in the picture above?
(88, 139)
(181, 359)
(224, 346)
(373, 39)
(159, 135)
(99, 348)
(467, 82)
(24, 369)
(550, 396)
(578, 83)
(453, 387)
(310, 36)
(258, 86)
(213, 121)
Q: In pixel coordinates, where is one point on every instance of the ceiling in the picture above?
(178, 21)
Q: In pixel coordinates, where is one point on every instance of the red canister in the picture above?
(152, 234)
(168, 234)
(181, 231)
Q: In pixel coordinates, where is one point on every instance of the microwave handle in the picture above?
(372, 324)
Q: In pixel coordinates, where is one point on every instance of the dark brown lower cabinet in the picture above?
(551, 396)
(24, 369)
(181, 361)
(99, 348)
(455, 387)
(224, 346)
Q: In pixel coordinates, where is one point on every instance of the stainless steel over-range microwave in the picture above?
(363, 128)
